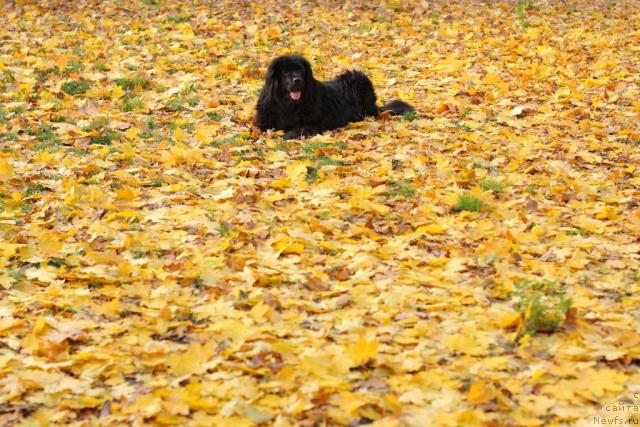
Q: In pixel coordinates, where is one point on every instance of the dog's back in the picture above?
(356, 89)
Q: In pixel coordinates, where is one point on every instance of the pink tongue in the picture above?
(295, 96)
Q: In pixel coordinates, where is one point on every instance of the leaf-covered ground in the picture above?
(164, 263)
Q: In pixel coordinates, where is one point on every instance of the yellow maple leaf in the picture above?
(41, 275)
(467, 344)
(492, 79)
(110, 309)
(287, 245)
(276, 156)
(578, 260)
(370, 205)
(179, 135)
(590, 225)
(6, 170)
(132, 133)
(204, 133)
(509, 320)
(185, 32)
(45, 158)
(480, 392)
(94, 195)
(430, 229)
(297, 172)
(126, 194)
(362, 351)
(148, 405)
(191, 361)
(280, 184)
(450, 65)
(6, 282)
(350, 402)
(49, 245)
(117, 92)
(9, 249)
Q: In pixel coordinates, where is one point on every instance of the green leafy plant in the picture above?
(542, 305)
(410, 115)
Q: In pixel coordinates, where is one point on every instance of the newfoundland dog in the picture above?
(294, 101)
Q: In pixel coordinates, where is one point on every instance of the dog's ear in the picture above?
(271, 82)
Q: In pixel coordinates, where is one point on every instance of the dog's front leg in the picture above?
(264, 121)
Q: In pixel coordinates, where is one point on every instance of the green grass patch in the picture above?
(46, 135)
(313, 146)
(132, 104)
(461, 125)
(57, 262)
(521, 11)
(76, 87)
(489, 184)
(401, 190)
(468, 202)
(34, 189)
(106, 135)
(133, 83)
(224, 230)
(214, 116)
(328, 161)
(179, 104)
(189, 89)
(312, 174)
(179, 19)
(575, 232)
(43, 75)
(101, 67)
(73, 67)
(229, 140)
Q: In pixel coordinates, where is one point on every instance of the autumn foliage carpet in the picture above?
(163, 263)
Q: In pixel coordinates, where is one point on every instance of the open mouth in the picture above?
(295, 95)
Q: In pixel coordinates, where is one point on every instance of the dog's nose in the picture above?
(297, 80)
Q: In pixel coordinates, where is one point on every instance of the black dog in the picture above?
(294, 101)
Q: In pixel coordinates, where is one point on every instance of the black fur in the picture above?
(294, 101)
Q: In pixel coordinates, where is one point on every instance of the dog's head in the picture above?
(287, 78)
